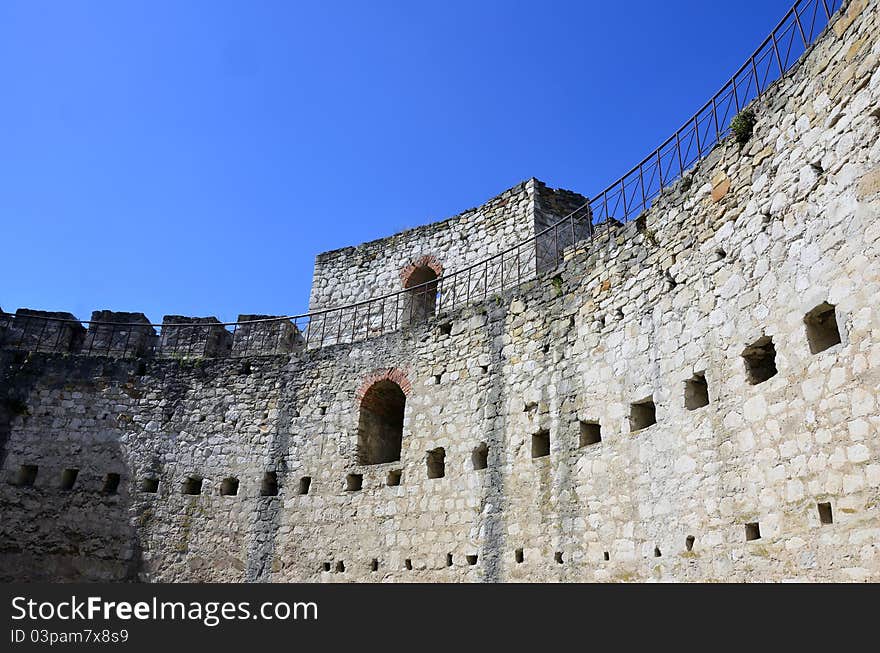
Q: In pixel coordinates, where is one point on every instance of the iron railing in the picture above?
(132, 335)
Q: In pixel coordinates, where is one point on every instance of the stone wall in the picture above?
(669, 404)
(353, 274)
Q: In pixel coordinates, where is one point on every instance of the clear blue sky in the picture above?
(193, 157)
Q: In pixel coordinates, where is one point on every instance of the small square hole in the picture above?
(591, 433)
(471, 559)
(657, 552)
(446, 329)
(269, 485)
(518, 555)
(304, 484)
(340, 567)
(825, 514)
(229, 487)
(558, 557)
(606, 556)
(326, 566)
(448, 559)
(192, 485)
(480, 456)
(753, 531)
(393, 478)
(26, 476)
(354, 482)
(436, 462)
(374, 565)
(760, 360)
(150, 485)
(408, 564)
(822, 331)
(642, 414)
(689, 543)
(111, 483)
(541, 444)
(696, 392)
(437, 379)
(68, 479)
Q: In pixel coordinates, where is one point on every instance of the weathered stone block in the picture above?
(119, 334)
(43, 331)
(265, 334)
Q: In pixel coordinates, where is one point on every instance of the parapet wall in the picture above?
(675, 402)
(354, 274)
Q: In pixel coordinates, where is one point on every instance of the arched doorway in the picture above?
(421, 301)
(380, 425)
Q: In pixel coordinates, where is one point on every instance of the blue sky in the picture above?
(193, 157)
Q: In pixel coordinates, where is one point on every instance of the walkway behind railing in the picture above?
(127, 334)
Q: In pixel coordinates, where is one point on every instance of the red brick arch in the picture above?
(394, 374)
(424, 261)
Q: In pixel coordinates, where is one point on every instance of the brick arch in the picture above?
(424, 261)
(393, 374)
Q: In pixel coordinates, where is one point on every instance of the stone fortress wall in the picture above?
(692, 396)
(380, 267)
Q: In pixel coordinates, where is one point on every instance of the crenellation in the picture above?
(119, 334)
(194, 336)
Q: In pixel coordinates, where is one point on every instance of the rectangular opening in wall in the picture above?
(541, 444)
(480, 456)
(558, 557)
(825, 514)
(192, 485)
(374, 565)
(111, 483)
(436, 462)
(26, 476)
(229, 487)
(269, 485)
(340, 567)
(753, 531)
(642, 414)
(68, 478)
(822, 330)
(354, 482)
(150, 485)
(696, 392)
(448, 559)
(394, 476)
(518, 556)
(606, 556)
(591, 433)
(326, 566)
(689, 543)
(471, 559)
(760, 360)
(408, 564)
(304, 484)
(445, 329)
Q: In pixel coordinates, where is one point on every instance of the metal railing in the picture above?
(626, 198)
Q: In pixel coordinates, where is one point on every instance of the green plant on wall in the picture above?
(742, 125)
(557, 284)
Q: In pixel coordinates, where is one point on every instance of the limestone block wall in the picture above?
(694, 396)
(353, 274)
